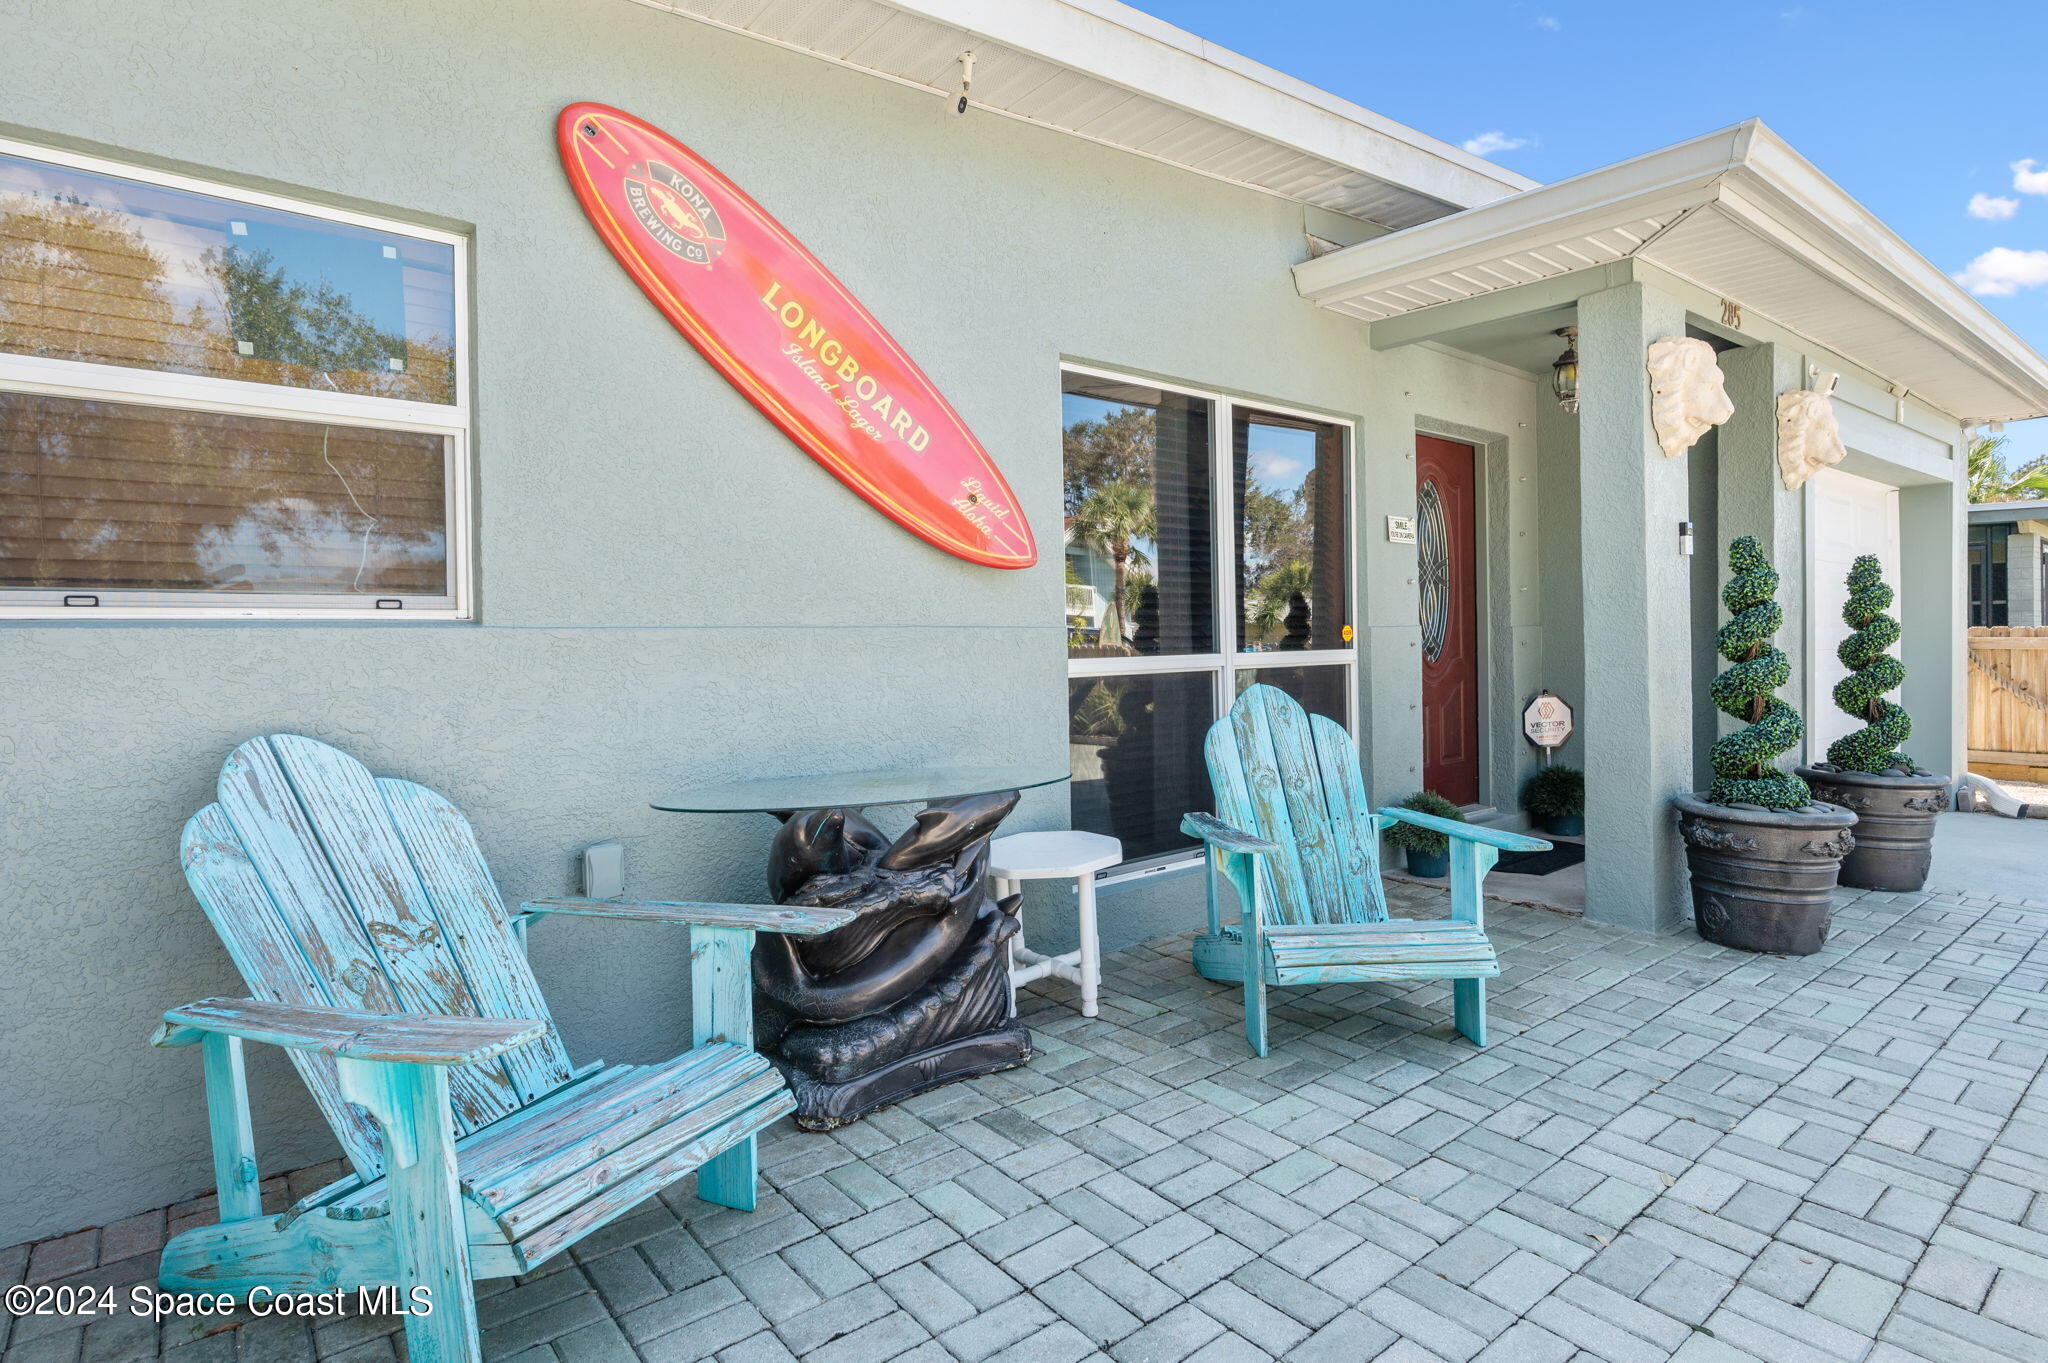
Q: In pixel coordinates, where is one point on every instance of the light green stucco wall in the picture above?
(1625, 624)
(1498, 411)
(669, 590)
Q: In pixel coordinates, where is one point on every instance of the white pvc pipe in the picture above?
(2000, 800)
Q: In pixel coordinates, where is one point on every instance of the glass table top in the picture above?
(907, 786)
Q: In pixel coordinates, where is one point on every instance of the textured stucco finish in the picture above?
(669, 590)
(1560, 600)
(1424, 389)
(1637, 608)
(2023, 597)
(1934, 613)
(1898, 441)
(1753, 499)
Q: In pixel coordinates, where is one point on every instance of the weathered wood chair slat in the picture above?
(379, 954)
(472, 917)
(1297, 839)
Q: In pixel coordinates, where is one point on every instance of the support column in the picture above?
(1637, 615)
(1933, 610)
(2023, 604)
(1752, 500)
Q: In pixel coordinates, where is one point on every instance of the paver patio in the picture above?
(1670, 1150)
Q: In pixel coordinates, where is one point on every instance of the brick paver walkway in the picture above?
(1671, 1150)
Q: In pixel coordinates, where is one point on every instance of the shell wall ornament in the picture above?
(1687, 397)
(1809, 440)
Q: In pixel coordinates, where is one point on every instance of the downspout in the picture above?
(1987, 796)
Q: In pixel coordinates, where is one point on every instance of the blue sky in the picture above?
(1916, 109)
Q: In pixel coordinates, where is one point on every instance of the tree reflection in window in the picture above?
(1290, 532)
(104, 270)
(1138, 534)
(118, 495)
(122, 494)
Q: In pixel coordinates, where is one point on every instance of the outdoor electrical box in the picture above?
(604, 870)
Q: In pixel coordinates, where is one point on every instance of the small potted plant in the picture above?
(1556, 796)
(1895, 801)
(1428, 850)
(1761, 852)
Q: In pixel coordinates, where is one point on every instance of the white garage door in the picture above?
(1851, 516)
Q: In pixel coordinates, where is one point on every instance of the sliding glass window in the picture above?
(1204, 536)
(220, 403)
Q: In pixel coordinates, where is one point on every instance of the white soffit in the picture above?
(1104, 71)
(1740, 214)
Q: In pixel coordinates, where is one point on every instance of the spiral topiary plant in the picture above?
(1875, 747)
(1745, 771)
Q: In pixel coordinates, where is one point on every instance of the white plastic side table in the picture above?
(1064, 855)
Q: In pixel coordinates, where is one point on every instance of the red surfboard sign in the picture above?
(785, 332)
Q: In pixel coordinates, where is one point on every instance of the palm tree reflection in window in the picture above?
(1118, 520)
(1111, 509)
(1276, 515)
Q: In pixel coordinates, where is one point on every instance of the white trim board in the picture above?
(157, 388)
(1740, 214)
(1112, 74)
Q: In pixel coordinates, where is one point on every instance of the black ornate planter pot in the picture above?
(1894, 822)
(1763, 879)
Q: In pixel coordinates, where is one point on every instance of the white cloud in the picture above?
(1276, 470)
(1549, 23)
(2026, 179)
(1487, 143)
(2002, 272)
(1991, 208)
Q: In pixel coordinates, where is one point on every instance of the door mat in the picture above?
(1542, 863)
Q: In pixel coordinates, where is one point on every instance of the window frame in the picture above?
(88, 381)
(1229, 658)
(1995, 610)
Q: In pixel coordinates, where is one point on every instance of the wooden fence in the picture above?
(2008, 674)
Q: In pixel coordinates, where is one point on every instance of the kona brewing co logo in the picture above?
(818, 365)
(675, 213)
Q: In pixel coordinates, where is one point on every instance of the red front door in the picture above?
(1447, 581)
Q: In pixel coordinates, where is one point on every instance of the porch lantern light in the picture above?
(1564, 371)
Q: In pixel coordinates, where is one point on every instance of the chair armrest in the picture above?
(346, 1033)
(1219, 834)
(1464, 832)
(801, 920)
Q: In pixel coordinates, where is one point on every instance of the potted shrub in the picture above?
(1428, 850)
(1556, 796)
(1761, 852)
(1895, 802)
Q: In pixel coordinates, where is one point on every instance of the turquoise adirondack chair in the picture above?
(363, 918)
(1298, 841)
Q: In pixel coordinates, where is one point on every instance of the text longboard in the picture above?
(785, 332)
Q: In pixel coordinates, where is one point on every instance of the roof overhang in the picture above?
(1739, 214)
(2034, 510)
(1104, 71)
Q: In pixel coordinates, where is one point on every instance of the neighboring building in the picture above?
(322, 408)
(2008, 563)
